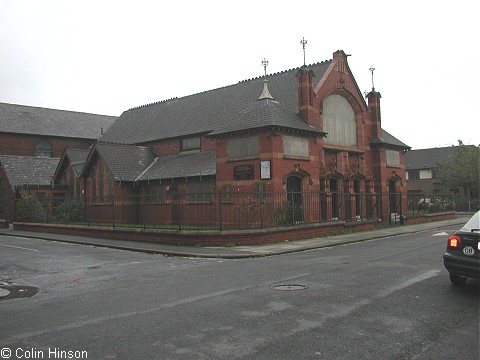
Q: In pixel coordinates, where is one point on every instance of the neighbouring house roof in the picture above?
(125, 162)
(183, 165)
(20, 119)
(210, 110)
(388, 140)
(423, 159)
(28, 170)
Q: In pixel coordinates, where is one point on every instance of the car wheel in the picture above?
(457, 280)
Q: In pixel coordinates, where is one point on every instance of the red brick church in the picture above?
(302, 131)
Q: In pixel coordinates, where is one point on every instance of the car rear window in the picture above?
(473, 223)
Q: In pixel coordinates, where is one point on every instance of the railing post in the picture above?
(220, 210)
(113, 211)
(401, 209)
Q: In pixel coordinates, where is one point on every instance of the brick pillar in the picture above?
(374, 108)
(305, 95)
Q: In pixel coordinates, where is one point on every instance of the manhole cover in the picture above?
(290, 287)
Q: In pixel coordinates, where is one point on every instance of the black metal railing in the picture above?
(236, 210)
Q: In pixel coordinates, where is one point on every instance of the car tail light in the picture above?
(454, 241)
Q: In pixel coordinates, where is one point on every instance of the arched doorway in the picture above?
(392, 192)
(294, 199)
(335, 197)
(395, 200)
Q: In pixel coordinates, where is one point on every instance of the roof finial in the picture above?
(303, 42)
(265, 64)
(372, 69)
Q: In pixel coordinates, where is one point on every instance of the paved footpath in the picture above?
(237, 252)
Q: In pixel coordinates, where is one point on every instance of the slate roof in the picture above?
(125, 162)
(423, 159)
(20, 119)
(265, 112)
(210, 110)
(183, 165)
(389, 140)
(28, 170)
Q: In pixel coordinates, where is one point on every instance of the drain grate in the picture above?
(290, 287)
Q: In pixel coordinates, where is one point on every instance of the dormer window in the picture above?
(190, 144)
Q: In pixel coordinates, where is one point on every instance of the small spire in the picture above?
(265, 94)
(303, 42)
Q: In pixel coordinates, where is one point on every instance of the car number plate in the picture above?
(468, 250)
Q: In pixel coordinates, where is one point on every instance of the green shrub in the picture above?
(288, 213)
(67, 212)
(29, 209)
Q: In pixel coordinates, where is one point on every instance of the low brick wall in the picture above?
(429, 217)
(3, 224)
(203, 238)
(220, 238)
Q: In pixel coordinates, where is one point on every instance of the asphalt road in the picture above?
(387, 298)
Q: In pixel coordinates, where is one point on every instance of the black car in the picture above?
(462, 257)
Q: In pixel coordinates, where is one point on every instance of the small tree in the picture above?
(462, 171)
(29, 209)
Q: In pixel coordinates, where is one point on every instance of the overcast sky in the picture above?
(105, 56)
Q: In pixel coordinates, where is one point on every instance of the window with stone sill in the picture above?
(190, 144)
(200, 191)
(295, 146)
(243, 147)
(393, 158)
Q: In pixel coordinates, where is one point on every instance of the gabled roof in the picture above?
(125, 162)
(76, 158)
(207, 111)
(183, 165)
(388, 140)
(428, 158)
(20, 119)
(28, 170)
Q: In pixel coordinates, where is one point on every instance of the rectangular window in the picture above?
(243, 147)
(227, 193)
(200, 191)
(413, 175)
(393, 158)
(189, 144)
(154, 193)
(295, 146)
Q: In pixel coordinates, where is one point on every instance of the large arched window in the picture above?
(339, 121)
(44, 149)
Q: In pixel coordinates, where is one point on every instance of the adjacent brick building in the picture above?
(35, 131)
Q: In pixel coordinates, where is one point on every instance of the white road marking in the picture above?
(441, 234)
(19, 247)
(409, 282)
